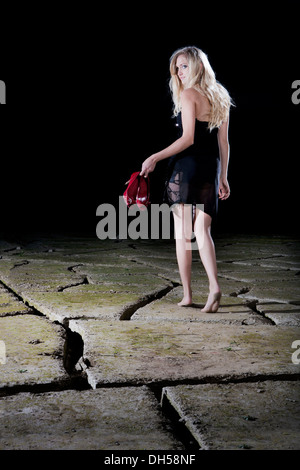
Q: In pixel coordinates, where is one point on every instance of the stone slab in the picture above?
(34, 351)
(107, 419)
(93, 252)
(130, 352)
(10, 304)
(134, 273)
(67, 247)
(106, 301)
(275, 291)
(284, 263)
(250, 253)
(256, 274)
(257, 416)
(41, 276)
(280, 314)
(61, 290)
(232, 310)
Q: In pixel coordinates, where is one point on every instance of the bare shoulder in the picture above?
(189, 94)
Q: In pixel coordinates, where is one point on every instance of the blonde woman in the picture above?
(197, 170)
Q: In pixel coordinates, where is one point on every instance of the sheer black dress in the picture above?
(193, 174)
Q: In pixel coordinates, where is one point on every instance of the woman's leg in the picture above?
(183, 232)
(202, 229)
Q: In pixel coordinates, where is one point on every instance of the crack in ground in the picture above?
(242, 290)
(21, 263)
(75, 366)
(73, 355)
(72, 268)
(7, 250)
(253, 263)
(72, 352)
(68, 286)
(33, 310)
(250, 303)
(129, 311)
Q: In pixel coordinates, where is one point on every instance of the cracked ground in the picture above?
(81, 318)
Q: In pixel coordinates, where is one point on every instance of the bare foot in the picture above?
(212, 303)
(186, 301)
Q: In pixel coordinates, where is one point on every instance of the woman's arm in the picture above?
(188, 116)
(224, 190)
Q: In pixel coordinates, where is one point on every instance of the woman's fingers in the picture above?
(147, 167)
(224, 192)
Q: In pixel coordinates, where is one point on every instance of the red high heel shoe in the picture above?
(138, 191)
(131, 190)
(143, 193)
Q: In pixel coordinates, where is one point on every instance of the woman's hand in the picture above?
(224, 190)
(148, 166)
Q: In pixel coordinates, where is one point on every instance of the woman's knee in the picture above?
(202, 228)
(183, 221)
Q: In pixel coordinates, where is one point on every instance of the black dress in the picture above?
(193, 174)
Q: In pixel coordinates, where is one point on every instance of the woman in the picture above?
(197, 171)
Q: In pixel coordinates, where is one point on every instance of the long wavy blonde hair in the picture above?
(203, 79)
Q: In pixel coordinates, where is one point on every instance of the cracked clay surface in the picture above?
(79, 316)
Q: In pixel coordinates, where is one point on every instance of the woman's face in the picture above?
(182, 67)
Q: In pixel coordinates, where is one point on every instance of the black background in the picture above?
(88, 101)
